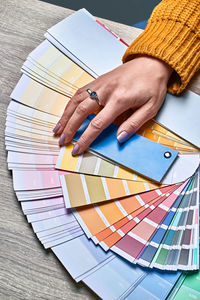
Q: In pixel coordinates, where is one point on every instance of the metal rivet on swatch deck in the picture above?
(167, 154)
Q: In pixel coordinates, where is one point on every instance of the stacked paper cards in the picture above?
(124, 226)
(187, 287)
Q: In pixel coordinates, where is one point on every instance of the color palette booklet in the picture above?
(135, 217)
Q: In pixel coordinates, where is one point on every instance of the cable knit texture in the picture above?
(172, 35)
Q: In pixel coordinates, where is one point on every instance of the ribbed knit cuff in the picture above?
(173, 42)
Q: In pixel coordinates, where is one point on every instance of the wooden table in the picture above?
(27, 271)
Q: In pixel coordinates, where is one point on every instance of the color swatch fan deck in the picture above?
(128, 228)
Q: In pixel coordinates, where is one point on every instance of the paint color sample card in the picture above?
(88, 163)
(33, 180)
(181, 116)
(35, 95)
(80, 190)
(190, 288)
(98, 278)
(52, 68)
(136, 281)
(81, 29)
(153, 160)
(155, 286)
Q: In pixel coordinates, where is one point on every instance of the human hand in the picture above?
(139, 84)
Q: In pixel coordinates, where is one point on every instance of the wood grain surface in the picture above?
(27, 271)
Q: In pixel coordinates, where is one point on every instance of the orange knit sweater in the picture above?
(172, 35)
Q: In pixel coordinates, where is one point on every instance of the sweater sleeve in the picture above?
(172, 35)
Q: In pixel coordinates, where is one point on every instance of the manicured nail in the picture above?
(62, 139)
(123, 136)
(75, 149)
(56, 128)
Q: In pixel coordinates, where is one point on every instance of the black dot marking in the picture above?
(167, 154)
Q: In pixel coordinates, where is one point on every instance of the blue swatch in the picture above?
(138, 154)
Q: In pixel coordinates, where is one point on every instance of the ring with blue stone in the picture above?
(93, 96)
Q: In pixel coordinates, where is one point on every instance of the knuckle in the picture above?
(69, 128)
(152, 109)
(97, 124)
(115, 81)
(118, 100)
(81, 109)
(154, 112)
(78, 97)
(134, 124)
(122, 99)
(83, 141)
(68, 131)
(63, 120)
(79, 91)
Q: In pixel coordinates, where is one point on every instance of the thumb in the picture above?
(135, 121)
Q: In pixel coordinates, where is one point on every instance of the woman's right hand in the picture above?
(139, 84)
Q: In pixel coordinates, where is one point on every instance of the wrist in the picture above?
(161, 70)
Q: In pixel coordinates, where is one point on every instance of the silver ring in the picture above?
(93, 96)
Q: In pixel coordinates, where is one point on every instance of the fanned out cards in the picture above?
(124, 219)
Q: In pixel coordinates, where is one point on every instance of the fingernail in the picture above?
(62, 139)
(123, 136)
(75, 149)
(57, 127)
